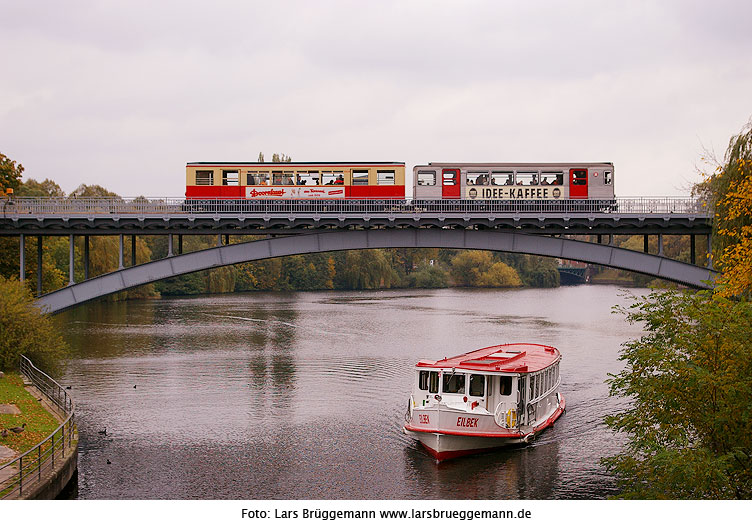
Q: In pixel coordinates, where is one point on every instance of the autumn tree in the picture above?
(10, 173)
(688, 379)
(26, 330)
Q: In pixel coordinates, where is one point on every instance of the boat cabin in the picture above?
(516, 383)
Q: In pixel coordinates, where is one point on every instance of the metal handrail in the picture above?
(27, 469)
(114, 207)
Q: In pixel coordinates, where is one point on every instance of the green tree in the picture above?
(689, 381)
(46, 189)
(26, 330)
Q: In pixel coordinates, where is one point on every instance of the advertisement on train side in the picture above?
(514, 193)
(276, 192)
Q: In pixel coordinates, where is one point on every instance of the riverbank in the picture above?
(38, 440)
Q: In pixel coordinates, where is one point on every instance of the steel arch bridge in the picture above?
(318, 242)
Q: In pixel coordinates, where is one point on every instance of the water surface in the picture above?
(302, 395)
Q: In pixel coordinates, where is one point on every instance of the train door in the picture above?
(450, 183)
(578, 183)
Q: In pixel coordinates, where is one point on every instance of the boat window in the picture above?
(204, 177)
(428, 380)
(453, 383)
(477, 385)
(433, 382)
(532, 387)
(607, 177)
(538, 385)
(505, 385)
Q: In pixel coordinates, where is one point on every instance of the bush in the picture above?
(26, 330)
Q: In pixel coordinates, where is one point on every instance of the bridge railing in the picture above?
(20, 474)
(112, 207)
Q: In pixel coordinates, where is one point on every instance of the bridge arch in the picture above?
(514, 242)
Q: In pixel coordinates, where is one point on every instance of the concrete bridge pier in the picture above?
(22, 258)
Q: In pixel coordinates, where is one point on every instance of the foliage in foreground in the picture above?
(689, 379)
(26, 330)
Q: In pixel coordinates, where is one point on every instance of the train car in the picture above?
(294, 181)
(532, 185)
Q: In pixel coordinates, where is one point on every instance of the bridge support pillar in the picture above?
(599, 239)
(227, 239)
(22, 258)
(86, 256)
(169, 245)
(39, 265)
(219, 240)
(71, 259)
(120, 253)
(645, 242)
(692, 249)
(660, 244)
(610, 240)
(133, 250)
(180, 244)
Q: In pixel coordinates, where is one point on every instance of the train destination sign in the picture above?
(543, 193)
(276, 192)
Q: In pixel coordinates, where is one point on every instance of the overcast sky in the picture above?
(123, 94)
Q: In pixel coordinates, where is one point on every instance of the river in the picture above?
(303, 395)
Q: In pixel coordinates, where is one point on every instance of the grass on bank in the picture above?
(39, 422)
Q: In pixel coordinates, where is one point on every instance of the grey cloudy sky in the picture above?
(123, 94)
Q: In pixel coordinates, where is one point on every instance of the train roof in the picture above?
(297, 163)
(531, 165)
(504, 358)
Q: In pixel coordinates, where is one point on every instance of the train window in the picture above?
(204, 177)
(502, 178)
(505, 385)
(360, 177)
(426, 179)
(477, 385)
(287, 178)
(449, 177)
(308, 178)
(552, 178)
(453, 383)
(251, 178)
(607, 177)
(276, 178)
(527, 178)
(476, 178)
(385, 177)
(333, 178)
(230, 177)
(579, 177)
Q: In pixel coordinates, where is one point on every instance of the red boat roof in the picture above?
(504, 358)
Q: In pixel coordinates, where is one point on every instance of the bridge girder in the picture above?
(514, 242)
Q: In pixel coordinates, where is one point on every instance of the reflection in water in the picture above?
(302, 396)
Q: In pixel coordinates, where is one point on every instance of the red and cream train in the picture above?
(491, 182)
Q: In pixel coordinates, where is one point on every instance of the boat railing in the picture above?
(19, 475)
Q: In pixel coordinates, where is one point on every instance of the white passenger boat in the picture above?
(492, 397)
